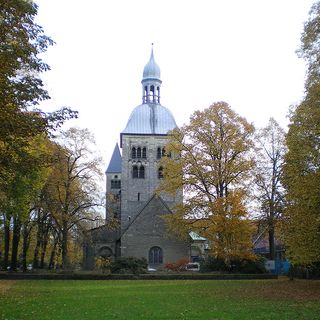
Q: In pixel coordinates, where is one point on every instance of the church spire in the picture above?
(115, 162)
(151, 81)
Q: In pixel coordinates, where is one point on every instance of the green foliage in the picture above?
(301, 223)
(310, 45)
(302, 168)
(129, 265)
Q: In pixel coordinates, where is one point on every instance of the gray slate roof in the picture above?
(150, 119)
(115, 162)
(151, 69)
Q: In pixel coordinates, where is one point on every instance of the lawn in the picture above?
(190, 299)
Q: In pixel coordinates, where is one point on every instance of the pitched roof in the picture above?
(153, 198)
(115, 162)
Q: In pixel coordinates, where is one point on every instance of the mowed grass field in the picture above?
(191, 299)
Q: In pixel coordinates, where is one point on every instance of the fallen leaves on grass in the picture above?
(283, 289)
(5, 285)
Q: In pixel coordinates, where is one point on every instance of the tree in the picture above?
(72, 190)
(211, 162)
(310, 46)
(301, 225)
(302, 181)
(21, 88)
(268, 174)
(21, 193)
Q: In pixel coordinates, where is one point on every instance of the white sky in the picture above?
(238, 51)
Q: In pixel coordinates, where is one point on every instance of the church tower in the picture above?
(113, 185)
(132, 179)
(142, 142)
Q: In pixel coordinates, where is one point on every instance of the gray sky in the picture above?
(241, 52)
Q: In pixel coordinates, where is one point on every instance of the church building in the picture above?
(131, 180)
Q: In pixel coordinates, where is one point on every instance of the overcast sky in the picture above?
(238, 51)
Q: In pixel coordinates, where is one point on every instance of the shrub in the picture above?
(212, 264)
(310, 272)
(236, 266)
(129, 265)
(102, 263)
(179, 265)
(248, 266)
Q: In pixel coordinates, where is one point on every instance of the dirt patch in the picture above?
(5, 285)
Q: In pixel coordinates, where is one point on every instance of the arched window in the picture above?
(152, 94)
(144, 153)
(155, 255)
(138, 152)
(145, 94)
(138, 172)
(141, 172)
(160, 173)
(158, 153)
(135, 172)
(133, 153)
(105, 252)
(161, 152)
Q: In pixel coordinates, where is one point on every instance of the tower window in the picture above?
(135, 172)
(145, 94)
(152, 94)
(160, 173)
(138, 172)
(138, 196)
(115, 184)
(161, 152)
(133, 153)
(139, 153)
(141, 172)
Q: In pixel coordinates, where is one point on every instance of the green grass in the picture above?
(209, 300)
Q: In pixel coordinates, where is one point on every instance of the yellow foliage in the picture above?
(211, 162)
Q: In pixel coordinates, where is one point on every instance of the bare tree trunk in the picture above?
(6, 242)
(26, 241)
(272, 249)
(53, 254)
(35, 262)
(24, 247)
(15, 243)
(64, 247)
(43, 249)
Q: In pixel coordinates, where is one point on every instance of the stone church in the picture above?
(131, 181)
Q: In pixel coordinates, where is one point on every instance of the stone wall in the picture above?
(149, 230)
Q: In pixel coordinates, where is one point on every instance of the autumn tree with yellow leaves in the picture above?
(211, 160)
(301, 225)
